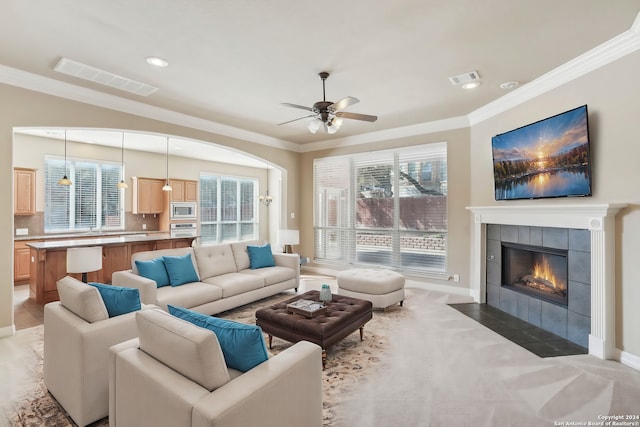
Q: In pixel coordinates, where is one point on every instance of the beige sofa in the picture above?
(175, 374)
(226, 279)
(77, 335)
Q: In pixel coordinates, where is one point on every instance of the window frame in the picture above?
(240, 219)
(348, 234)
(70, 165)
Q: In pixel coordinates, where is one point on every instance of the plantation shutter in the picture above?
(227, 209)
(93, 201)
(386, 208)
(332, 218)
(56, 197)
(208, 209)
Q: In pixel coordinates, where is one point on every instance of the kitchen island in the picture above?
(49, 259)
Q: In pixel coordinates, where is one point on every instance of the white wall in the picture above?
(611, 95)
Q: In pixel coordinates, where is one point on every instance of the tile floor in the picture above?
(534, 339)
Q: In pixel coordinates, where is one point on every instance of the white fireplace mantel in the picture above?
(599, 219)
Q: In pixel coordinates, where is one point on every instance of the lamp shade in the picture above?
(289, 237)
(84, 260)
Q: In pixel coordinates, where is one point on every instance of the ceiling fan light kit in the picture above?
(329, 114)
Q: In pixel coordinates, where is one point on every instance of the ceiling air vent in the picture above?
(463, 78)
(86, 72)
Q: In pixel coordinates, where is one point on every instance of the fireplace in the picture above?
(598, 219)
(536, 271)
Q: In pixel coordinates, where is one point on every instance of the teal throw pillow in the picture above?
(180, 269)
(155, 270)
(119, 300)
(242, 345)
(260, 256)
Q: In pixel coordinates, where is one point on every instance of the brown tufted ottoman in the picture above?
(344, 315)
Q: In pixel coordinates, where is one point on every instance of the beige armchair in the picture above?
(77, 335)
(174, 374)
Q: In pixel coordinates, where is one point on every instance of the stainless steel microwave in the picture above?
(183, 210)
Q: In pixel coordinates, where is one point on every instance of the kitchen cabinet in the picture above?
(147, 196)
(50, 259)
(114, 258)
(24, 191)
(21, 262)
(183, 190)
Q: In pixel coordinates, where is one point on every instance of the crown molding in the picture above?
(609, 51)
(19, 78)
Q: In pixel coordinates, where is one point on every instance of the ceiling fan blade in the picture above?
(302, 107)
(356, 116)
(299, 118)
(343, 103)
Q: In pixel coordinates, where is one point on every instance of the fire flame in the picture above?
(543, 271)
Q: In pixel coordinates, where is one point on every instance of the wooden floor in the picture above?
(26, 312)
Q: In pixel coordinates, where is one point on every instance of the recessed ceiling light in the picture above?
(471, 85)
(509, 85)
(157, 62)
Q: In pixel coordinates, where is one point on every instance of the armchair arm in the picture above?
(284, 390)
(128, 279)
(75, 359)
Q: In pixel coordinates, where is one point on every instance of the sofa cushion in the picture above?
(260, 256)
(236, 283)
(81, 299)
(272, 275)
(214, 260)
(242, 345)
(153, 269)
(240, 253)
(191, 295)
(180, 269)
(118, 300)
(193, 352)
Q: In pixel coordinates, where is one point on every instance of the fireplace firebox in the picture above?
(539, 272)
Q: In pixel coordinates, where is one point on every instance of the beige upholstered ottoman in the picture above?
(380, 286)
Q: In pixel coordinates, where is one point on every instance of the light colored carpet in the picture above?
(424, 364)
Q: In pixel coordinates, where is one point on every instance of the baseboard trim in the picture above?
(628, 359)
(8, 331)
(436, 287)
(409, 283)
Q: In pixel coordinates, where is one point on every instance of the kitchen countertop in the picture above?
(84, 235)
(106, 240)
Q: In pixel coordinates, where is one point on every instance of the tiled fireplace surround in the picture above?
(599, 220)
(573, 321)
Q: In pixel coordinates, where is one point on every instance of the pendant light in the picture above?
(65, 180)
(122, 184)
(167, 187)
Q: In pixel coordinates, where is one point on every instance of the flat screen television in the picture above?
(549, 158)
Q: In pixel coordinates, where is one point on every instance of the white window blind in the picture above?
(93, 201)
(228, 209)
(383, 208)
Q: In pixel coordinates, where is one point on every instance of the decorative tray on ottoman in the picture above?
(306, 307)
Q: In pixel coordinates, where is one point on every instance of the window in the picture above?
(383, 208)
(93, 201)
(228, 209)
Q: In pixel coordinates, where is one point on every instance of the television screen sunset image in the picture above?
(549, 158)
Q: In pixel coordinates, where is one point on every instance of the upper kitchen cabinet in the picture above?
(147, 196)
(24, 191)
(183, 190)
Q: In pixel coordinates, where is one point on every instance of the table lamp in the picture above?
(84, 260)
(289, 238)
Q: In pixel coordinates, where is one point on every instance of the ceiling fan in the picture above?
(329, 114)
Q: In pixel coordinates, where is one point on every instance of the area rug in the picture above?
(347, 361)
